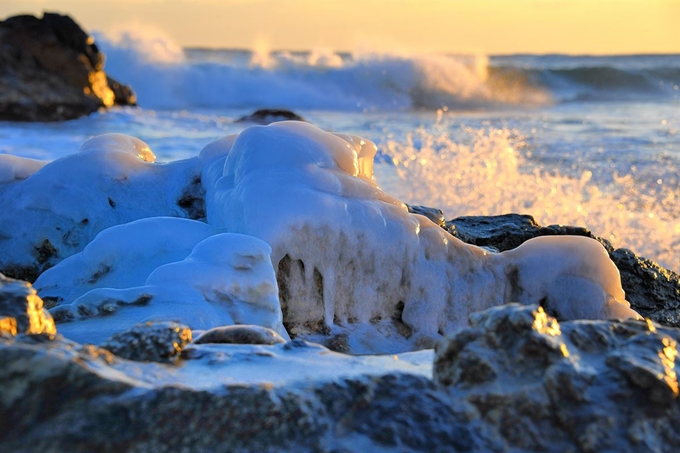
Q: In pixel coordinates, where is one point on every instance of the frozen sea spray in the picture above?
(163, 269)
(51, 211)
(349, 255)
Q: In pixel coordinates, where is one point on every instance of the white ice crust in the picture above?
(112, 180)
(163, 269)
(355, 255)
(349, 258)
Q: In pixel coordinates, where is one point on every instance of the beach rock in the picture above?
(21, 310)
(652, 291)
(240, 334)
(268, 116)
(150, 342)
(577, 386)
(61, 396)
(51, 70)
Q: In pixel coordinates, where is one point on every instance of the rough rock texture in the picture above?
(150, 342)
(268, 116)
(240, 334)
(586, 386)
(51, 70)
(60, 396)
(21, 310)
(652, 291)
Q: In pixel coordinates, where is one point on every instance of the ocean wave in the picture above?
(165, 76)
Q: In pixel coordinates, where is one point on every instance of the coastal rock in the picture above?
(150, 342)
(51, 70)
(576, 386)
(62, 396)
(240, 334)
(652, 291)
(268, 116)
(21, 310)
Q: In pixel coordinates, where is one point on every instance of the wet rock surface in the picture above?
(516, 380)
(51, 70)
(652, 291)
(240, 334)
(150, 342)
(268, 116)
(580, 386)
(21, 310)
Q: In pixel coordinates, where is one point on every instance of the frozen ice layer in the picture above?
(347, 253)
(14, 168)
(53, 210)
(313, 244)
(203, 279)
(572, 277)
(123, 256)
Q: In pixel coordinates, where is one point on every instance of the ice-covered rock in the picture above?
(21, 309)
(150, 342)
(53, 211)
(122, 257)
(540, 385)
(163, 269)
(651, 290)
(350, 256)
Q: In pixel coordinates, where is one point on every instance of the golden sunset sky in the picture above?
(454, 26)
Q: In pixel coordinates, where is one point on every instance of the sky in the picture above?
(452, 26)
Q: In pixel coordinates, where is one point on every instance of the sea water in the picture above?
(589, 141)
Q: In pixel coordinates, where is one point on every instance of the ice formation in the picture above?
(53, 211)
(163, 269)
(342, 259)
(346, 253)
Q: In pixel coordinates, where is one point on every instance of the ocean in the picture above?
(580, 140)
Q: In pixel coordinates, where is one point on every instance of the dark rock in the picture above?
(652, 291)
(578, 386)
(508, 231)
(150, 342)
(61, 396)
(268, 116)
(192, 200)
(240, 334)
(21, 310)
(51, 70)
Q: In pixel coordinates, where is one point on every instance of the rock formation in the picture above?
(51, 70)
(652, 291)
(516, 380)
(579, 386)
(268, 116)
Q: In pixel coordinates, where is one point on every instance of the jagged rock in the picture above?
(21, 310)
(61, 396)
(51, 70)
(652, 291)
(240, 334)
(580, 386)
(268, 116)
(150, 342)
